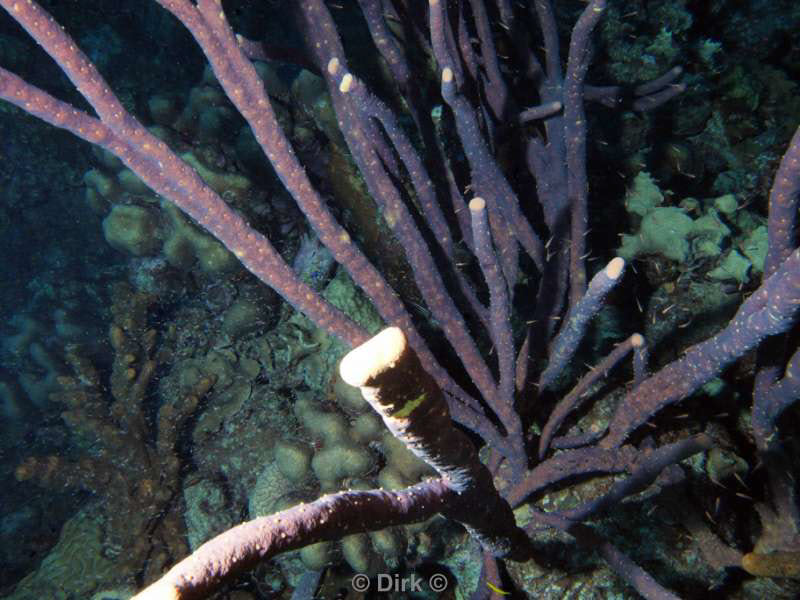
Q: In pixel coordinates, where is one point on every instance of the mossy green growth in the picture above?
(663, 231)
(716, 229)
(709, 235)
(755, 247)
(409, 407)
(733, 267)
(643, 196)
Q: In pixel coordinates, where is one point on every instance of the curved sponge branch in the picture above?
(330, 517)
